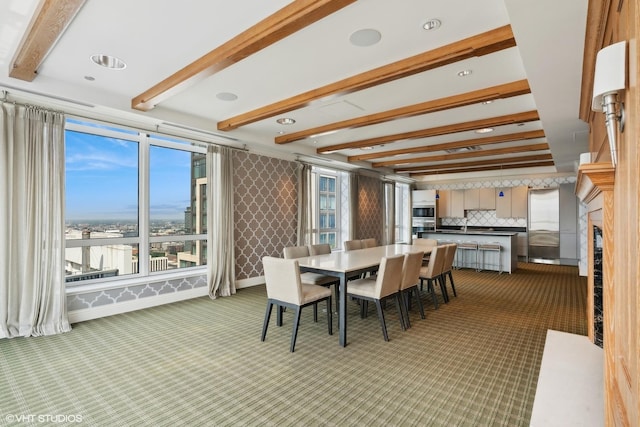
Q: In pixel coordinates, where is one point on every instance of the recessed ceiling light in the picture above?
(286, 121)
(487, 102)
(484, 130)
(366, 148)
(432, 24)
(464, 73)
(108, 61)
(366, 37)
(281, 132)
(226, 96)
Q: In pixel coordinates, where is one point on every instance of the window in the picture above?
(403, 217)
(326, 207)
(131, 197)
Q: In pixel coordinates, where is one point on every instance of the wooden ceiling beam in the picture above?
(521, 136)
(520, 87)
(528, 116)
(478, 45)
(286, 21)
(498, 162)
(466, 155)
(485, 168)
(49, 22)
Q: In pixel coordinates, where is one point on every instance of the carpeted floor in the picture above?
(473, 362)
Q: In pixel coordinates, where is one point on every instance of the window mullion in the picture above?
(143, 203)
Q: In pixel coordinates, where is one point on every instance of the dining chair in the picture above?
(308, 278)
(428, 244)
(369, 243)
(352, 245)
(410, 281)
(320, 249)
(433, 272)
(285, 289)
(447, 267)
(387, 284)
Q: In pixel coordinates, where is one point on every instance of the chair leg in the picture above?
(315, 312)
(453, 286)
(329, 316)
(382, 322)
(267, 317)
(406, 299)
(434, 297)
(419, 302)
(443, 288)
(296, 322)
(280, 309)
(399, 305)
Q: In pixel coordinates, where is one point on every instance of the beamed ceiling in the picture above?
(397, 105)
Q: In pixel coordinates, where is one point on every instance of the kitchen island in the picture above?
(508, 242)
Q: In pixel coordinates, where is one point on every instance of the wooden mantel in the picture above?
(594, 178)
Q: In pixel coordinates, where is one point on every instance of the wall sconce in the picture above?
(609, 79)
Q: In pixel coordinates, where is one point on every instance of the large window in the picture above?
(326, 207)
(403, 215)
(132, 197)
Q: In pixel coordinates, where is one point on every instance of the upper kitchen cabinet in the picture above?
(479, 199)
(424, 197)
(513, 203)
(451, 204)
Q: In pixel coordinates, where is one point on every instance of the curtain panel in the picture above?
(304, 205)
(32, 285)
(221, 248)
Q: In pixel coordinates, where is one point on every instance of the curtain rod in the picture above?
(5, 95)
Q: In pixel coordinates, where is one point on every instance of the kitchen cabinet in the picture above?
(424, 197)
(479, 199)
(451, 204)
(568, 222)
(513, 203)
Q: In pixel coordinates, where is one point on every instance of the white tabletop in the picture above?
(344, 262)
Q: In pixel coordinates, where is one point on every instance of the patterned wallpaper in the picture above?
(370, 205)
(266, 210)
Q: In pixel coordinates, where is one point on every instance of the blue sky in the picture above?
(102, 179)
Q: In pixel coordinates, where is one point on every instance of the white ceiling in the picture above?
(156, 38)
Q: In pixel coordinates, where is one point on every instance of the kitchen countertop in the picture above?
(474, 232)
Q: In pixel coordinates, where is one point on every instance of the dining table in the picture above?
(345, 264)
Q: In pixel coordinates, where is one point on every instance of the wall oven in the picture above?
(424, 212)
(423, 218)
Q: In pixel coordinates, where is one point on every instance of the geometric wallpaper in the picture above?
(370, 208)
(266, 210)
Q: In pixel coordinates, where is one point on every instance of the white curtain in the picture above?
(304, 205)
(221, 248)
(389, 214)
(32, 286)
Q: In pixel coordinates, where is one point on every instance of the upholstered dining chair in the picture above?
(447, 266)
(433, 272)
(352, 245)
(387, 284)
(320, 249)
(428, 244)
(409, 284)
(369, 243)
(309, 278)
(285, 289)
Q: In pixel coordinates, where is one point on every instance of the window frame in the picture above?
(144, 239)
(316, 231)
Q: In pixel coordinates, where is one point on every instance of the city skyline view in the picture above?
(102, 180)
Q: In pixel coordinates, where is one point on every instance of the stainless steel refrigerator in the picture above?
(544, 225)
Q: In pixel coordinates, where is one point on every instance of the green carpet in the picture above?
(472, 362)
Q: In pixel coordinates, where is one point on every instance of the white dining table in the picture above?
(349, 264)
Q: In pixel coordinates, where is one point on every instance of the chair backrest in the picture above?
(436, 261)
(389, 276)
(425, 242)
(450, 254)
(320, 249)
(411, 269)
(352, 245)
(282, 278)
(369, 243)
(295, 252)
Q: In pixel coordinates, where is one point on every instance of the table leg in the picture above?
(342, 312)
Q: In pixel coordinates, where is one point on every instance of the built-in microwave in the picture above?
(424, 212)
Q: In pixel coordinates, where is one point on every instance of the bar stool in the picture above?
(492, 247)
(464, 247)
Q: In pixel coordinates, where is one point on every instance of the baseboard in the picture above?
(251, 281)
(133, 305)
